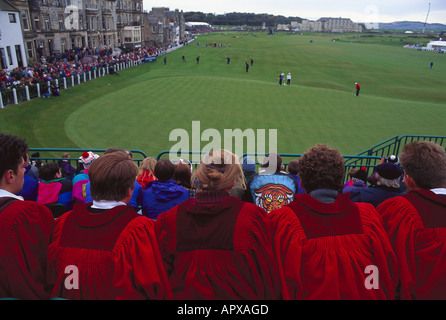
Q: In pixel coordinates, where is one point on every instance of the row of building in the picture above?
(336, 25)
(31, 29)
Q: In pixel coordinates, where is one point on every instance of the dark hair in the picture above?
(183, 175)
(164, 170)
(292, 167)
(111, 176)
(12, 151)
(37, 162)
(48, 171)
(321, 167)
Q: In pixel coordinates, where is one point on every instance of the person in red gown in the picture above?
(105, 250)
(215, 246)
(416, 222)
(328, 247)
(25, 228)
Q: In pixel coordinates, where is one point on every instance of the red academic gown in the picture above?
(416, 224)
(25, 233)
(324, 249)
(217, 247)
(110, 255)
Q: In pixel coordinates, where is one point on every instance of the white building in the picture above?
(12, 47)
(436, 45)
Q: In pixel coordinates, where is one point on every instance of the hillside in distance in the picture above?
(253, 19)
(412, 26)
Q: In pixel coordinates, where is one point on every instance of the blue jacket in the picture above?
(356, 184)
(161, 196)
(30, 189)
(374, 195)
(300, 190)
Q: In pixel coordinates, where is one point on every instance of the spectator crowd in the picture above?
(223, 230)
(71, 62)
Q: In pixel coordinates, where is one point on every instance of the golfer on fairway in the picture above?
(358, 87)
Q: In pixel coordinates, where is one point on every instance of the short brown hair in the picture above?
(48, 171)
(292, 167)
(219, 170)
(111, 175)
(321, 167)
(425, 163)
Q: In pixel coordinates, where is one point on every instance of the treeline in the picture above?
(239, 19)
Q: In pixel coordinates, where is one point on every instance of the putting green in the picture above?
(302, 115)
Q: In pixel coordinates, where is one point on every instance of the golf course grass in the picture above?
(139, 109)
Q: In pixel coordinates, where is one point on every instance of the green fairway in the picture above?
(140, 108)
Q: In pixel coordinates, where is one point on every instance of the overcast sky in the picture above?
(358, 10)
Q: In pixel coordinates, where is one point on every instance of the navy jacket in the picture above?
(374, 195)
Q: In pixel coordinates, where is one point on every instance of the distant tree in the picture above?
(239, 19)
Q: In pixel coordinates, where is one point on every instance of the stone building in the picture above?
(336, 25)
(339, 25)
(164, 27)
(52, 26)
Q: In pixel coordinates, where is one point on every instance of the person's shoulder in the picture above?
(24, 205)
(395, 202)
(31, 210)
(140, 222)
(282, 213)
(251, 207)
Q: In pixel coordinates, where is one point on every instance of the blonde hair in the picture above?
(219, 170)
(148, 164)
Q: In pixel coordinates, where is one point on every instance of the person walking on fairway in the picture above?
(432, 64)
(288, 79)
(247, 66)
(358, 87)
(165, 61)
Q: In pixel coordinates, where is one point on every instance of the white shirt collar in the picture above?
(106, 204)
(439, 191)
(4, 194)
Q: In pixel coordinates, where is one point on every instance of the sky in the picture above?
(370, 11)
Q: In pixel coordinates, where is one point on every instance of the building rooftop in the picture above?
(6, 6)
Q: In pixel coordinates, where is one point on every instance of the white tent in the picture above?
(436, 45)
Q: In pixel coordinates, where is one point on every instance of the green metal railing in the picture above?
(368, 158)
(48, 155)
